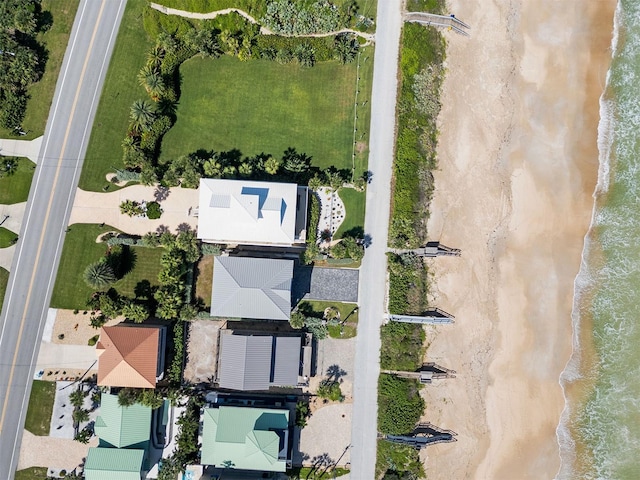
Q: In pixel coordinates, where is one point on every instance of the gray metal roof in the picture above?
(245, 287)
(256, 362)
(287, 361)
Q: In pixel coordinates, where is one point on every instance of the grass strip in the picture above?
(354, 205)
(4, 279)
(121, 89)
(40, 407)
(33, 473)
(15, 188)
(7, 237)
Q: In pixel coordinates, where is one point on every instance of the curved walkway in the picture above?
(263, 30)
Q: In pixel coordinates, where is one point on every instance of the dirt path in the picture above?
(369, 37)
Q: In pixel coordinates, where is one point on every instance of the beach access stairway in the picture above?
(442, 21)
(435, 316)
(425, 374)
(430, 250)
(423, 435)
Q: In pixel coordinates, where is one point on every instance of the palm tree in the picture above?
(9, 166)
(345, 48)
(80, 415)
(155, 56)
(76, 398)
(153, 84)
(141, 114)
(99, 275)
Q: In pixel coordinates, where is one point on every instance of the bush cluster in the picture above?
(402, 346)
(22, 59)
(400, 405)
(300, 18)
(175, 369)
(398, 462)
(418, 107)
(408, 284)
(312, 249)
(187, 446)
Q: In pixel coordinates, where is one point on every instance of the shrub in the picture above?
(418, 106)
(398, 461)
(99, 275)
(302, 413)
(400, 405)
(210, 249)
(330, 389)
(286, 17)
(312, 230)
(175, 370)
(154, 210)
(93, 340)
(297, 319)
(401, 346)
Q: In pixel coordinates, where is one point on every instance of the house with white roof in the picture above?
(252, 213)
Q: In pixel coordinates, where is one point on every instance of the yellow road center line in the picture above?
(46, 218)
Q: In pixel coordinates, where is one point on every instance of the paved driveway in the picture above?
(332, 284)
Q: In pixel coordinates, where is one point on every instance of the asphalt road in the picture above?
(37, 256)
(373, 272)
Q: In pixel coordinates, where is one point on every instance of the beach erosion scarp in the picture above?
(518, 164)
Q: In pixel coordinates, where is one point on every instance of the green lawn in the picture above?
(33, 473)
(354, 203)
(7, 237)
(4, 279)
(317, 473)
(80, 249)
(120, 90)
(40, 407)
(15, 188)
(347, 311)
(55, 41)
(262, 106)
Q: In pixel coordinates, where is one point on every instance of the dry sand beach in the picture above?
(518, 164)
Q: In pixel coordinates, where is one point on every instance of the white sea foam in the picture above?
(585, 279)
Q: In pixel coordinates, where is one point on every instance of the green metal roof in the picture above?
(113, 463)
(123, 427)
(243, 437)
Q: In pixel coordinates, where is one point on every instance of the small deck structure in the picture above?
(435, 316)
(443, 21)
(430, 250)
(423, 435)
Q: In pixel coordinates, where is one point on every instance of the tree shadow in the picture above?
(122, 260)
(161, 193)
(143, 290)
(162, 229)
(335, 373)
(367, 240)
(183, 228)
(355, 232)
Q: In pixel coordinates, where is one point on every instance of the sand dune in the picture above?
(518, 165)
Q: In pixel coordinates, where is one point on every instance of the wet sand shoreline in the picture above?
(518, 164)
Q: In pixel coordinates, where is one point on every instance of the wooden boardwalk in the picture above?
(443, 21)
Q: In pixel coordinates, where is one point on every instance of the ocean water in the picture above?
(599, 433)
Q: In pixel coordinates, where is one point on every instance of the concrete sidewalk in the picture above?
(21, 148)
(95, 207)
